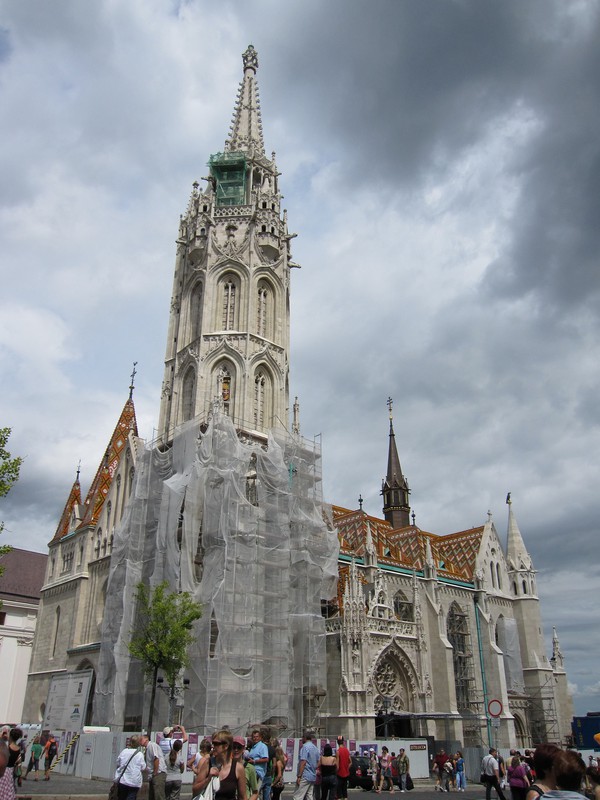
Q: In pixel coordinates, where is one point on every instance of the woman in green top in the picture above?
(34, 759)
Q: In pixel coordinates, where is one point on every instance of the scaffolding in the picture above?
(543, 719)
(468, 701)
(239, 525)
(229, 172)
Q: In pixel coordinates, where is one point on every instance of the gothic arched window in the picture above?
(462, 656)
(259, 400)
(403, 609)
(196, 311)
(230, 292)
(223, 383)
(117, 498)
(56, 626)
(262, 399)
(263, 309)
(188, 395)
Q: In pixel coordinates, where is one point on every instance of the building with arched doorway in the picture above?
(426, 630)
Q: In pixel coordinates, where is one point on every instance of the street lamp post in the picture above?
(175, 694)
(387, 704)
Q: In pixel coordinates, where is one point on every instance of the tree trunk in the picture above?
(152, 698)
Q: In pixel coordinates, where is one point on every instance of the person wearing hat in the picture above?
(166, 743)
(239, 745)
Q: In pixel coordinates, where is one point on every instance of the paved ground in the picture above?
(67, 787)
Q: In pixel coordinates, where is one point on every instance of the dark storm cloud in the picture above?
(402, 87)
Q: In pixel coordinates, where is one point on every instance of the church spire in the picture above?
(394, 489)
(71, 509)
(246, 125)
(516, 552)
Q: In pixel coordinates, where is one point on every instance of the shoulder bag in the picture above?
(113, 792)
(210, 790)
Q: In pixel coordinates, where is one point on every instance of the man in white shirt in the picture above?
(157, 768)
(490, 769)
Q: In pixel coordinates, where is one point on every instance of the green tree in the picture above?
(9, 474)
(163, 634)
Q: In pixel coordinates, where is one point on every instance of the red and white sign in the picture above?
(495, 708)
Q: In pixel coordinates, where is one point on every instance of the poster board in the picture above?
(67, 701)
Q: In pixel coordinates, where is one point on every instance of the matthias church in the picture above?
(312, 614)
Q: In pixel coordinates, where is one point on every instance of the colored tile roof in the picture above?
(107, 469)
(454, 555)
(73, 501)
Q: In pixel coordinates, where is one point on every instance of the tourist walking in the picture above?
(385, 764)
(342, 761)
(328, 770)
(307, 769)
(403, 767)
(129, 772)
(50, 753)
(491, 774)
(518, 780)
(34, 758)
(461, 775)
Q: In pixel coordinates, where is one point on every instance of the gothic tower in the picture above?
(395, 491)
(537, 670)
(228, 337)
(227, 504)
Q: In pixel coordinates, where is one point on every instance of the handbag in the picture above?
(209, 791)
(409, 782)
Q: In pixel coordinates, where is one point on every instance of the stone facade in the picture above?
(74, 589)
(426, 630)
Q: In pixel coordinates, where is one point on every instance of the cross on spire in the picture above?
(131, 385)
(390, 404)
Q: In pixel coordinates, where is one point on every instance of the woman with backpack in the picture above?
(50, 753)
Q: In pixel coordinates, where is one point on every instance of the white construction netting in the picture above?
(241, 527)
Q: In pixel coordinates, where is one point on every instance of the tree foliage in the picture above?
(9, 474)
(165, 621)
(163, 633)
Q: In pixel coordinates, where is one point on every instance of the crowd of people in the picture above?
(228, 767)
(13, 746)
(449, 770)
(527, 776)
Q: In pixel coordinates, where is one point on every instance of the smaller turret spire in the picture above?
(557, 657)
(516, 552)
(394, 489)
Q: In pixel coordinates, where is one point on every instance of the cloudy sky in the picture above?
(441, 165)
